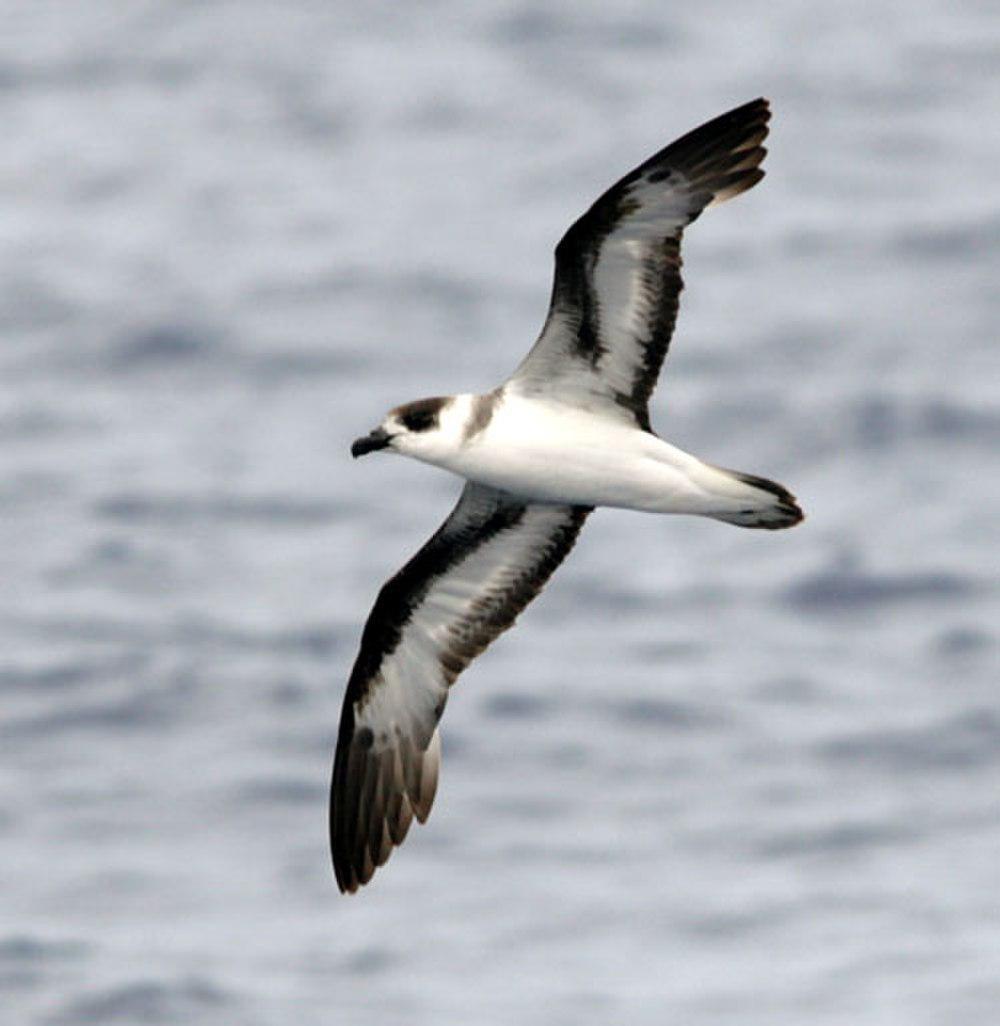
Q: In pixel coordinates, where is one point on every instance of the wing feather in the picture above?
(487, 561)
(617, 281)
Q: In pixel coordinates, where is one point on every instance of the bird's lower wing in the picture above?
(618, 269)
(485, 563)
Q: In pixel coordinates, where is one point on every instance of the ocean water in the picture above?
(714, 776)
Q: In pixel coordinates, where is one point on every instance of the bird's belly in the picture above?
(602, 470)
(549, 477)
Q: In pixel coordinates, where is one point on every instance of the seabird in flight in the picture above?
(567, 431)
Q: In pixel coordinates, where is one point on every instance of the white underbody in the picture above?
(547, 451)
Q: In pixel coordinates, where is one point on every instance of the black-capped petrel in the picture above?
(567, 431)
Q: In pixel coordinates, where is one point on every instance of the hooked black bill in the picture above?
(378, 439)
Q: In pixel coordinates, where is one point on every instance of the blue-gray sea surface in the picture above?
(715, 775)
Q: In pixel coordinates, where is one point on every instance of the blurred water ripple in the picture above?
(713, 776)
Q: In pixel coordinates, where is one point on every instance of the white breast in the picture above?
(553, 452)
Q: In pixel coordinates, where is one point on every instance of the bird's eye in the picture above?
(419, 420)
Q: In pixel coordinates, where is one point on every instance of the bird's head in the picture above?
(423, 429)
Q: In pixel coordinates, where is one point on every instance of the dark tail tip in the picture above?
(774, 516)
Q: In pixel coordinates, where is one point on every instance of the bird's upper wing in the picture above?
(617, 277)
(485, 563)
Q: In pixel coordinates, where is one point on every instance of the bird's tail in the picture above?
(749, 501)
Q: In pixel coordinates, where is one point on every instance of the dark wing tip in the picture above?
(719, 159)
(374, 797)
